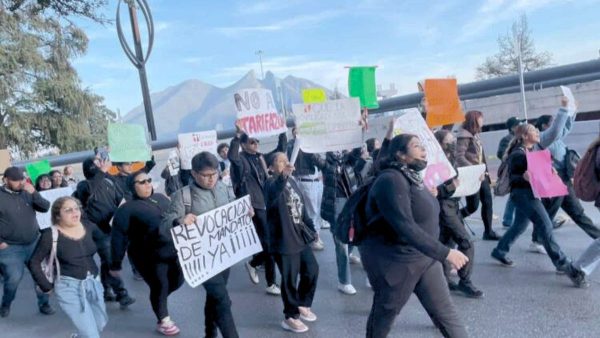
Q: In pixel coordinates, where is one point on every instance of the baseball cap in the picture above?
(513, 121)
(14, 174)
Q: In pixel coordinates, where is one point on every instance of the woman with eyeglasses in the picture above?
(78, 288)
(136, 230)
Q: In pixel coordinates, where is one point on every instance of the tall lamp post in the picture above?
(260, 53)
(138, 58)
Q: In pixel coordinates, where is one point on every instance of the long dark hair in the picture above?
(398, 144)
(471, 125)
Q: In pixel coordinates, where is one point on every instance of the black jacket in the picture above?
(339, 180)
(136, 229)
(249, 171)
(503, 145)
(100, 197)
(306, 164)
(284, 214)
(18, 222)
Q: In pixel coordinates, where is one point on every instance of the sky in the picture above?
(216, 41)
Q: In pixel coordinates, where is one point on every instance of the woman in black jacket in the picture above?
(401, 252)
(292, 232)
(136, 230)
(452, 226)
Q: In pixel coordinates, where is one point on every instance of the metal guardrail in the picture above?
(550, 77)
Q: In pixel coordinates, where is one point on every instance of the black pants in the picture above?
(452, 230)
(572, 206)
(264, 257)
(487, 208)
(108, 281)
(163, 278)
(217, 310)
(393, 282)
(294, 293)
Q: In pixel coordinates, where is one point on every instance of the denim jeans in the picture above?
(83, 302)
(341, 250)
(588, 261)
(509, 213)
(13, 260)
(528, 208)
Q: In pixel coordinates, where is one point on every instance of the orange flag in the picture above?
(442, 103)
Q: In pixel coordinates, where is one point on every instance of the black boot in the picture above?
(125, 300)
(109, 295)
(469, 290)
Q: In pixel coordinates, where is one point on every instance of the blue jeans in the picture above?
(341, 250)
(83, 302)
(13, 260)
(588, 261)
(509, 213)
(528, 208)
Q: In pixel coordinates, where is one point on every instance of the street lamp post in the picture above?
(260, 53)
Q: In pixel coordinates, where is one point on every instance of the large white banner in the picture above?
(44, 219)
(219, 239)
(257, 112)
(469, 180)
(439, 168)
(191, 144)
(329, 126)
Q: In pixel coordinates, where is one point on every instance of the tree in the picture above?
(42, 101)
(506, 61)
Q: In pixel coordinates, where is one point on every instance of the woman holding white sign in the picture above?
(292, 232)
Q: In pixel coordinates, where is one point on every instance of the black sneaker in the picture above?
(578, 278)
(502, 259)
(490, 236)
(125, 301)
(109, 295)
(4, 311)
(469, 290)
(452, 285)
(47, 309)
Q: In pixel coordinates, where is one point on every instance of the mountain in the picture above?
(194, 105)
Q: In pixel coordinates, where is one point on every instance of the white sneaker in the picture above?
(317, 245)
(354, 259)
(368, 283)
(537, 248)
(294, 325)
(273, 290)
(252, 273)
(325, 224)
(346, 289)
(306, 314)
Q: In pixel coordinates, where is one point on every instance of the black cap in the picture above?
(14, 174)
(513, 121)
(245, 138)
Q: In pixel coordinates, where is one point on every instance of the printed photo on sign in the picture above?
(43, 218)
(439, 168)
(191, 144)
(219, 239)
(257, 112)
(329, 126)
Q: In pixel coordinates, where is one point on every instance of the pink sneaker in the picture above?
(168, 328)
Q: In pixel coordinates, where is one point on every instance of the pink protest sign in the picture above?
(544, 182)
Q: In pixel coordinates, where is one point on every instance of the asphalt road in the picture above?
(528, 300)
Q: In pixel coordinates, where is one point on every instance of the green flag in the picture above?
(34, 170)
(127, 143)
(361, 84)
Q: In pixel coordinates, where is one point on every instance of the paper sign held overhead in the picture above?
(442, 102)
(361, 84)
(4, 160)
(37, 168)
(257, 112)
(314, 95)
(572, 105)
(328, 126)
(219, 239)
(191, 144)
(128, 143)
(544, 182)
(44, 218)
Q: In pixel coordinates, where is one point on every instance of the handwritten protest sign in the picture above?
(37, 168)
(219, 239)
(127, 143)
(544, 182)
(378, 127)
(439, 168)
(442, 103)
(329, 126)
(470, 180)
(4, 160)
(361, 84)
(191, 144)
(257, 112)
(314, 95)
(44, 219)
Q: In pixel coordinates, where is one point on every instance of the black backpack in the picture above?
(351, 224)
(502, 186)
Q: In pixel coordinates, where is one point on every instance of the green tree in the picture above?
(506, 61)
(42, 101)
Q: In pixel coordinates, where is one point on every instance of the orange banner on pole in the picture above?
(442, 102)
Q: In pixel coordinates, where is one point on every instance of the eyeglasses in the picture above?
(148, 180)
(71, 210)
